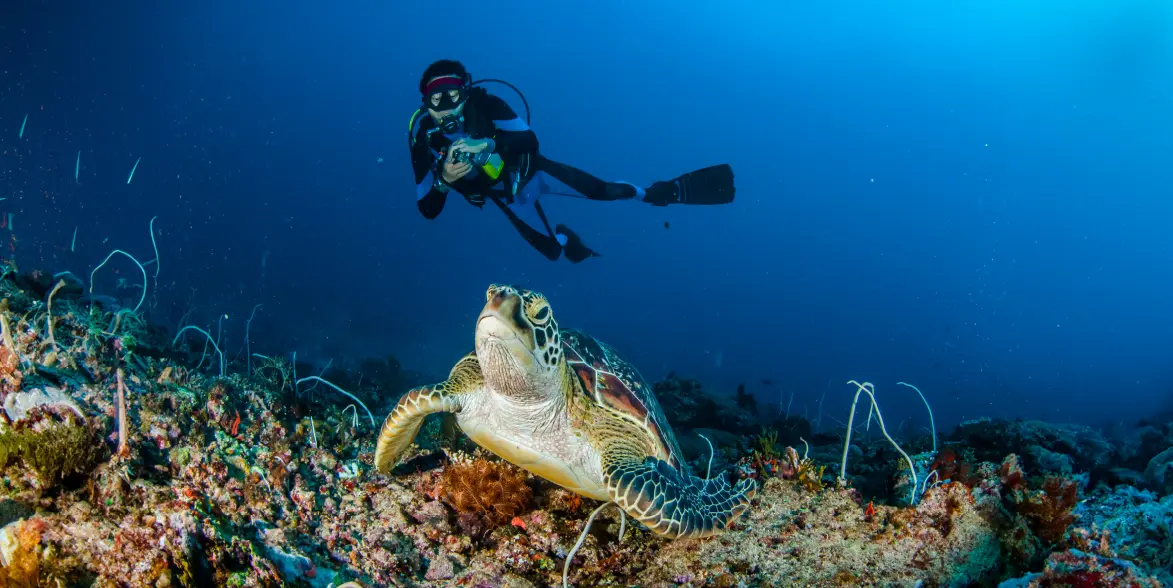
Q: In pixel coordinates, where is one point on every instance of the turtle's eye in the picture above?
(542, 315)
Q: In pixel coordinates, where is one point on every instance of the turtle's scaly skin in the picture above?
(566, 407)
(643, 469)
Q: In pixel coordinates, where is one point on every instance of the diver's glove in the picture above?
(572, 246)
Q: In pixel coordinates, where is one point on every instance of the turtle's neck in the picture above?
(523, 387)
(536, 400)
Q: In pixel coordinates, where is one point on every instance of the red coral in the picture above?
(1049, 510)
(1083, 579)
(1011, 473)
(1080, 569)
(950, 466)
(10, 375)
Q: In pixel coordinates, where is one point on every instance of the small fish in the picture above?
(77, 167)
(666, 225)
(131, 176)
(767, 381)
(26, 121)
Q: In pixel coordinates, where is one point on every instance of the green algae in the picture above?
(53, 453)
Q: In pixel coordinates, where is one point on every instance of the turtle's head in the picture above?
(518, 343)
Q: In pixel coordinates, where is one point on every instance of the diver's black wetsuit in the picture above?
(518, 188)
(513, 140)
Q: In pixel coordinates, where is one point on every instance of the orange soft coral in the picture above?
(23, 567)
(493, 491)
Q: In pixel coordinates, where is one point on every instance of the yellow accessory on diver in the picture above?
(490, 163)
(493, 166)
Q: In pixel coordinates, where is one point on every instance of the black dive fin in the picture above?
(574, 249)
(710, 185)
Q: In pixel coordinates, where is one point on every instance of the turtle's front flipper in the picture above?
(675, 504)
(401, 426)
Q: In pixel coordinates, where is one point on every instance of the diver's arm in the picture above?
(430, 197)
(430, 194)
(512, 134)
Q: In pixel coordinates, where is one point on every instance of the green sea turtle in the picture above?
(566, 407)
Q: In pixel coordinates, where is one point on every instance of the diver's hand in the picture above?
(454, 170)
(473, 145)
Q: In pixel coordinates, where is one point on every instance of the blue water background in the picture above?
(974, 197)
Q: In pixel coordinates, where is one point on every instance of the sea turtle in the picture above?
(566, 407)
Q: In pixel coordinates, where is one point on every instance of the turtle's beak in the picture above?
(501, 331)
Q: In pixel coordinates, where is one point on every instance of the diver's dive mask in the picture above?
(447, 93)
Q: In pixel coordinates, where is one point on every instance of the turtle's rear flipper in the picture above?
(711, 185)
(402, 425)
(675, 504)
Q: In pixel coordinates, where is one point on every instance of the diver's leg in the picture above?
(710, 185)
(584, 183)
(526, 215)
(543, 239)
(572, 246)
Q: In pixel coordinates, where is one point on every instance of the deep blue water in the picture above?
(973, 197)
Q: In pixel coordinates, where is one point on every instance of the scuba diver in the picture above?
(473, 143)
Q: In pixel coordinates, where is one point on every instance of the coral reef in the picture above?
(1049, 508)
(1137, 525)
(1076, 568)
(689, 406)
(249, 479)
(1057, 449)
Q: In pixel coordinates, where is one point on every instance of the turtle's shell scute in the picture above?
(611, 381)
